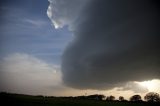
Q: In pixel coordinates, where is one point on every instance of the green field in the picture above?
(26, 100)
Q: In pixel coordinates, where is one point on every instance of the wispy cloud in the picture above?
(36, 23)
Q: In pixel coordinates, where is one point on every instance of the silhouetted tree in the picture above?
(135, 98)
(121, 98)
(110, 98)
(152, 97)
(96, 97)
(101, 97)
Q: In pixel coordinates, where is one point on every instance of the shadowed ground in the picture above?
(26, 100)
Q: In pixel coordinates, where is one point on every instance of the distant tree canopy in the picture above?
(96, 97)
(152, 97)
(135, 98)
(110, 98)
(121, 98)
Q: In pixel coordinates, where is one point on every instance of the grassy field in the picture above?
(26, 100)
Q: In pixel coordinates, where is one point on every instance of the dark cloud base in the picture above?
(116, 41)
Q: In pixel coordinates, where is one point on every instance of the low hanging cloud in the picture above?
(115, 41)
(135, 87)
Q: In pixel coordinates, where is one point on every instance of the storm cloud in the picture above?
(116, 41)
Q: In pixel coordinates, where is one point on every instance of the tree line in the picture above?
(149, 97)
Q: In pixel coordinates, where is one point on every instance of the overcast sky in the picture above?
(73, 47)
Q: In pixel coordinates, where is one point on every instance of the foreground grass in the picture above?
(26, 100)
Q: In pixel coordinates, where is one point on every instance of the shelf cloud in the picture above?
(115, 41)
